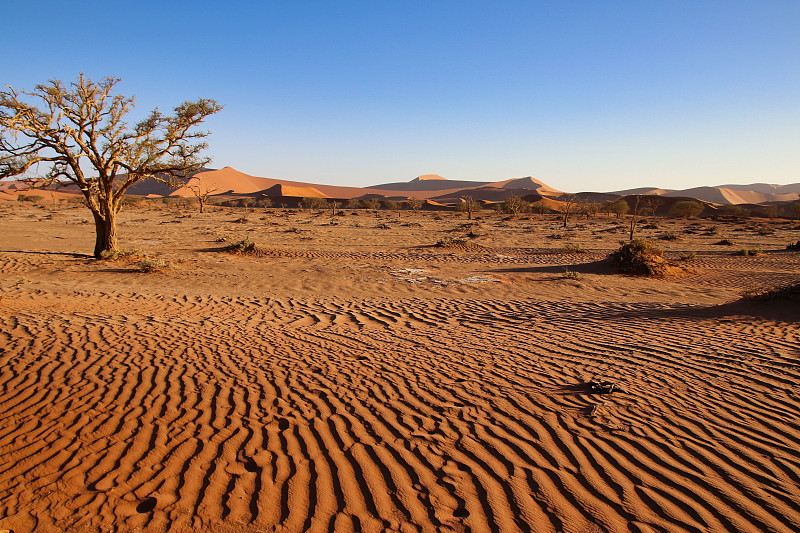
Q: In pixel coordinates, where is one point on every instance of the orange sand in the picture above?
(353, 378)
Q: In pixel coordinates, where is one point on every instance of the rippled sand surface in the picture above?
(353, 378)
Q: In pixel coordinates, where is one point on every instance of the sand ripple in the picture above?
(393, 415)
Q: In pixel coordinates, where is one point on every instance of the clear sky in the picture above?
(583, 95)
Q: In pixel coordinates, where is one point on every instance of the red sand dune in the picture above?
(224, 181)
(429, 177)
(229, 181)
(280, 190)
(722, 195)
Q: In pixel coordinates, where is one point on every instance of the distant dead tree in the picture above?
(83, 126)
(653, 203)
(588, 208)
(636, 215)
(468, 205)
(566, 207)
(202, 192)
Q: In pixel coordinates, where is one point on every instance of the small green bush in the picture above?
(750, 251)
(571, 274)
(575, 248)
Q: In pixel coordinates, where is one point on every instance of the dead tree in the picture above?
(566, 207)
(201, 191)
(468, 205)
(638, 206)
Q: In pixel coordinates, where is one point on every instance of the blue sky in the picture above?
(582, 95)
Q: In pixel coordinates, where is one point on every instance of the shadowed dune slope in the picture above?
(722, 195)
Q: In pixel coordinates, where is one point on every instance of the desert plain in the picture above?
(354, 376)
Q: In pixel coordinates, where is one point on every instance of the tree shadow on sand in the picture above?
(45, 252)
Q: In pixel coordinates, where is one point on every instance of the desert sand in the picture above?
(353, 377)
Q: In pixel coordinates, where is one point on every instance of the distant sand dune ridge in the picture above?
(440, 414)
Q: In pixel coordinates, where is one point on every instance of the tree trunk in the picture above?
(106, 233)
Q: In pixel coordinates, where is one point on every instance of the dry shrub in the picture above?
(114, 255)
(641, 258)
(575, 248)
(153, 265)
(244, 246)
(749, 252)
